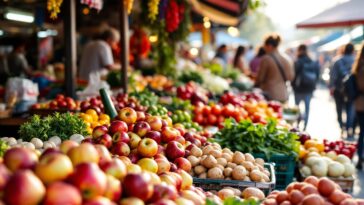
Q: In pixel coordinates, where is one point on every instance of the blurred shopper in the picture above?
(238, 62)
(341, 68)
(358, 72)
(254, 64)
(221, 55)
(307, 76)
(274, 71)
(97, 55)
(17, 63)
(250, 54)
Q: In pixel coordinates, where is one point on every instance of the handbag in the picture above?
(281, 71)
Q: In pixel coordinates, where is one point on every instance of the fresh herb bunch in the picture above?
(146, 98)
(61, 125)
(248, 137)
(3, 147)
(235, 201)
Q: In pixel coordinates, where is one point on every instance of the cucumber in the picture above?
(108, 105)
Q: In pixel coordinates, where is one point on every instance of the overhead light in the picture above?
(194, 51)
(44, 34)
(153, 38)
(206, 22)
(1, 32)
(233, 31)
(19, 16)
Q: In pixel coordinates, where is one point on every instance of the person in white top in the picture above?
(97, 55)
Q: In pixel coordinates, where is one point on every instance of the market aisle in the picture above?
(323, 125)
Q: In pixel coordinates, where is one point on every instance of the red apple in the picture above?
(62, 193)
(113, 188)
(174, 150)
(183, 163)
(140, 116)
(160, 149)
(24, 188)
(128, 115)
(141, 128)
(169, 134)
(168, 179)
(134, 140)
(148, 164)
(187, 179)
(53, 167)
(164, 202)
(163, 191)
(155, 122)
(20, 158)
(147, 147)
(89, 179)
(121, 149)
(105, 140)
(134, 157)
(116, 168)
(4, 176)
(49, 151)
(118, 126)
(180, 139)
(174, 167)
(103, 153)
(158, 156)
(88, 140)
(163, 165)
(178, 179)
(67, 145)
(100, 200)
(99, 131)
(131, 201)
(138, 185)
(155, 135)
(121, 137)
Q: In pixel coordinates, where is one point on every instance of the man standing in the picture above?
(17, 63)
(97, 55)
(341, 68)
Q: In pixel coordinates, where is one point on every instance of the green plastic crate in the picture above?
(284, 168)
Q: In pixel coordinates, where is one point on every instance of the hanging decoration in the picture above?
(95, 4)
(53, 6)
(172, 16)
(129, 5)
(153, 6)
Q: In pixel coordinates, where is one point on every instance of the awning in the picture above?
(354, 34)
(227, 12)
(346, 14)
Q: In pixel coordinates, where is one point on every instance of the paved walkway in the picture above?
(323, 125)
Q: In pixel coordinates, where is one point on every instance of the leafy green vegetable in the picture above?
(61, 125)
(188, 76)
(248, 137)
(235, 201)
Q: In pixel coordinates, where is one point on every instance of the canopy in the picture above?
(227, 12)
(355, 34)
(346, 14)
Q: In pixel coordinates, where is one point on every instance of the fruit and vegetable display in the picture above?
(213, 162)
(312, 191)
(341, 147)
(248, 137)
(59, 103)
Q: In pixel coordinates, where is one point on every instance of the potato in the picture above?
(231, 165)
(252, 192)
(215, 173)
(220, 167)
(228, 171)
(199, 169)
(228, 178)
(216, 145)
(248, 165)
(193, 160)
(259, 161)
(202, 175)
(265, 177)
(195, 151)
(238, 158)
(206, 150)
(203, 157)
(209, 162)
(239, 172)
(222, 161)
(249, 157)
(261, 168)
(237, 192)
(246, 178)
(266, 172)
(225, 193)
(216, 153)
(228, 157)
(227, 150)
(256, 175)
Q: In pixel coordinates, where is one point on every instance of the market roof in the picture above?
(227, 12)
(346, 14)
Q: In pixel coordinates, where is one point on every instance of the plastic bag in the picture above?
(94, 85)
(23, 89)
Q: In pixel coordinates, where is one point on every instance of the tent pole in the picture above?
(124, 45)
(70, 47)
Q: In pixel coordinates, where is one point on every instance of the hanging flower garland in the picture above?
(95, 4)
(129, 5)
(153, 9)
(53, 6)
(172, 16)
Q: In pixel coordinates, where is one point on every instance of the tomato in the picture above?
(206, 110)
(212, 119)
(228, 110)
(216, 110)
(198, 118)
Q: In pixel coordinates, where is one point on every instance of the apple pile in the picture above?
(59, 103)
(215, 163)
(312, 191)
(341, 147)
(87, 174)
(194, 93)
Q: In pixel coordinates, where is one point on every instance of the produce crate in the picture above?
(284, 168)
(218, 184)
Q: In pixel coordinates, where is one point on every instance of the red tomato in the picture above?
(228, 110)
(206, 110)
(212, 119)
(216, 110)
(199, 118)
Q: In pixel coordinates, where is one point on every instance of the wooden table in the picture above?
(9, 127)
